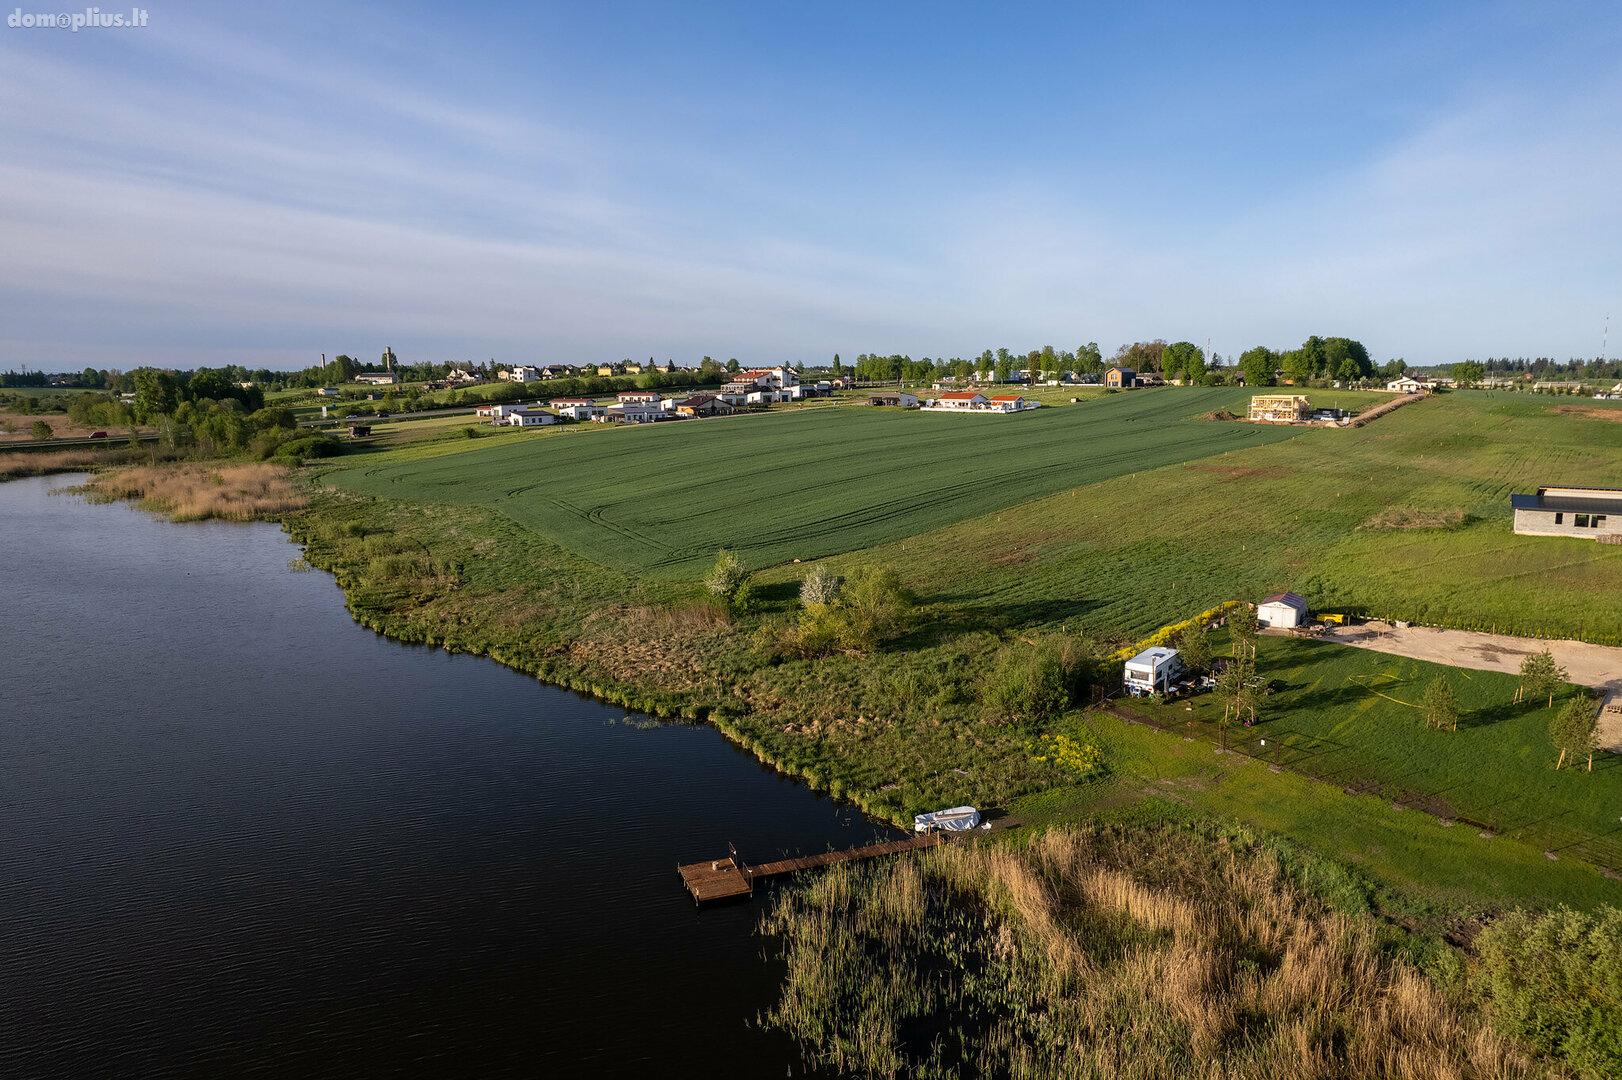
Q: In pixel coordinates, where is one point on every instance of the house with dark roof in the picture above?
(703, 405)
(1588, 513)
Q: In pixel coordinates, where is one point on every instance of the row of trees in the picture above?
(1336, 358)
(999, 365)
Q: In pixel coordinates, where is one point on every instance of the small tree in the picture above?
(1572, 729)
(727, 576)
(1243, 625)
(42, 430)
(1541, 676)
(821, 585)
(1440, 706)
(1237, 693)
(1194, 645)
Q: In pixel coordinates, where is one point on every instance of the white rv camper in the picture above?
(1153, 671)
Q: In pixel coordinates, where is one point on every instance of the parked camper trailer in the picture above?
(1153, 671)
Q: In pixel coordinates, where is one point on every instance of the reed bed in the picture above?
(1109, 953)
(198, 492)
(17, 464)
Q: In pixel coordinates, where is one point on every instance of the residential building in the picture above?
(960, 400)
(377, 378)
(1118, 378)
(703, 405)
(640, 397)
(577, 408)
(1588, 513)
(1412, 384)
(521, 373)
(894, 398)
(1280, 408)
(632, 412)
(527, 418)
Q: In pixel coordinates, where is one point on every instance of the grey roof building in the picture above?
(1589, 513)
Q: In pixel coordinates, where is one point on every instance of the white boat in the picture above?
(957, 819)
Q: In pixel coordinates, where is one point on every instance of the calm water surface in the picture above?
(241, 835)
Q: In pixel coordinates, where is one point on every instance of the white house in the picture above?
(461, 375)
(521, 373)
(525, 418)
(377, 378)
(1153, 671)
(633, 412)
(577, 408)
(1284, 609)
(960, 399)
(639, 397)
(1412, 384)
(325, 391)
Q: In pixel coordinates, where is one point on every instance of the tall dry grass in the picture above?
(194, 492)
(1108, 953)
(18, 464)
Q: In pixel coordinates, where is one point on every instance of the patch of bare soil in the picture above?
(1408, 517)
(1591, 412)
(1235, 472)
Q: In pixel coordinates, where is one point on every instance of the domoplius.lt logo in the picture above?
(89, 19)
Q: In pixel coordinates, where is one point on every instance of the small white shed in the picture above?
(1285, 610)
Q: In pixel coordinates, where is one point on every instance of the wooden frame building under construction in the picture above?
(1280, 408)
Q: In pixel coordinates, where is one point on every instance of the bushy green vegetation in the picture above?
(663, 498)
(1555, 982)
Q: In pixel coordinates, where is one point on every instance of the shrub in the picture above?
(727, 576)
(821, 586)
(1033, 683)
(1555, 982)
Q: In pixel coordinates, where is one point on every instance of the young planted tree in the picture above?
(1440, 706)
(1541, 676)
(1237, 692)
(1194, 645)
(1573, 730)
(1244, 627)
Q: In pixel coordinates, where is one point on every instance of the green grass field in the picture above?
(575, 552)
(807, 484)
(1350, 717)
(1129, 554)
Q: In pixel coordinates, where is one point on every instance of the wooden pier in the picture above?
(720, 879)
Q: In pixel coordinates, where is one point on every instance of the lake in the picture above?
(242, 835)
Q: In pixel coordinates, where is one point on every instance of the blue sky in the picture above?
(780, 182)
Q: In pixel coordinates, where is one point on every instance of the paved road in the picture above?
(1597, 666)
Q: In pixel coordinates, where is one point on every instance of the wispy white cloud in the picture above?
(328, 203)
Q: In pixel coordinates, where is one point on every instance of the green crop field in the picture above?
(807, 484)
(1133, 553)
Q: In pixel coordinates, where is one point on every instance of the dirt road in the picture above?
(1597, 666)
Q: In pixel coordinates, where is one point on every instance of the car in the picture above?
(381, 413)
(98, 434)
(353, 416)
